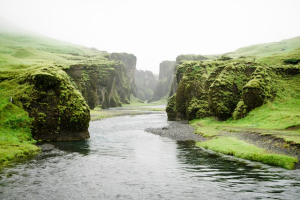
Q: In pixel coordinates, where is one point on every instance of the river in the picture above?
(123, 161)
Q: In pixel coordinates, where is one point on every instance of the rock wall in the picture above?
(104, 84)
(221, 89)
(166, 72)
(178, 73)
(58, 110)
(145, 84)
(130, 63)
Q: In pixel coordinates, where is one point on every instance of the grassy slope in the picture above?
(19, 54)
(267, 49)
(273, 118)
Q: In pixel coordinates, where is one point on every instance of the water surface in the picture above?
(122, 161)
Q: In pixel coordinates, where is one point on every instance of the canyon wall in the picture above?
(129, 61)
(145, 84)
(224, 89)
(166, 72)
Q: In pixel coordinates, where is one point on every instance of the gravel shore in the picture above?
(177, 130)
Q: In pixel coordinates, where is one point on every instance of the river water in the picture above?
(122, 161)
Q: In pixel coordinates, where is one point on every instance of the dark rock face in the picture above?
(220, 88)
(166, 72)
(58, 110)
(104, 84)
(129, 61)
(145, 84)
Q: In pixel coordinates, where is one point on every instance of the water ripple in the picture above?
(122, 161)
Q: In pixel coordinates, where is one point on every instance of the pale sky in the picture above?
(158, 30)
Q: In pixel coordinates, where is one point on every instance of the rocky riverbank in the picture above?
(177, 130)
(269, 143)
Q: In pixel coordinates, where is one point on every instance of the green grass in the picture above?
(205, 127)
(267, 49)
(19, 49)
(20, 57)
(15, 138)
(281, 113)
(241, 149)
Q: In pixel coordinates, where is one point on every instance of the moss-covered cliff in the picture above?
(129, 61)
(166, 71)
(57, 109)
(102, 84)
(40, 101)
(230, 88)
(177, 75)
(145, 84)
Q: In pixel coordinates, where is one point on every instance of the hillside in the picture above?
(238, 101)
(266, 49)
(47, 88)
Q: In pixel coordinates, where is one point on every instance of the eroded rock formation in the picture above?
(177, 75)
(221, 89)
(145, 84)
(58, 110)
(104, 84)
(166, 72)
(129, 61)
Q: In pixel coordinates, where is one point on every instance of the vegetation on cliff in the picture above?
(233, 88)
(166, 71)
(129, 61)
(177, 74)
(104, 83)
(145, 84)
(261, 94)
(40, 101)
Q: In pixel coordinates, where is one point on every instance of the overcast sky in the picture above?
(158, 30)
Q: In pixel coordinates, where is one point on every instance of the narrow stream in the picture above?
(122, 161)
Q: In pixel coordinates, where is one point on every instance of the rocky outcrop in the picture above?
(220, 88)
(57, 103)
(166, 72)
(178, 73)
(129, 61)
(104, 84)
(145, 84)
(58, 110)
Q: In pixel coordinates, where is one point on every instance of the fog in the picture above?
(158, 30)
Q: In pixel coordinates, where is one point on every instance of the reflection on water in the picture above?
(122, 161)
(81, 147)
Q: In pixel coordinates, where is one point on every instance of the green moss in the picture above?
(171, 108)
(16, 141)
(240, 111)
(226, 88)
(241, 149)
